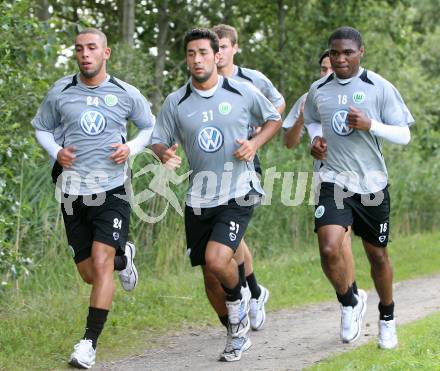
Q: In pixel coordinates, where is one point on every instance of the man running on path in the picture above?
(82, 124)
(210, 117)
(349, 114)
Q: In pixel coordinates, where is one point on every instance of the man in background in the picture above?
(228, 42)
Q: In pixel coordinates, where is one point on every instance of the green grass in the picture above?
(42, 319)
(419, 349)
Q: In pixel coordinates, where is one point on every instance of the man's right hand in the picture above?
(66, 156)
(170, 159)
(318, 148)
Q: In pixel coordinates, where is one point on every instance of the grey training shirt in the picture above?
(208, 129)
(261, 82)
(354, 157)
(91, 119)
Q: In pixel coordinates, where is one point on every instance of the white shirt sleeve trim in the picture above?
(47, 141)
(392, 133)
(138, 143)
(314, 130)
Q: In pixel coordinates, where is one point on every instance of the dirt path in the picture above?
(291, 339)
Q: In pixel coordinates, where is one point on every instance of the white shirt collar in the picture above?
(210, 92)
(346, 81)
(107, 78)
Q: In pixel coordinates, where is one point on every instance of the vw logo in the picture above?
(340, 124)
(210, 139)
(93, 122)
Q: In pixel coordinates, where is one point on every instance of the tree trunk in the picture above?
(162, 40)
(42, 10)
(228, 15)
(127, 20)
(281, 42)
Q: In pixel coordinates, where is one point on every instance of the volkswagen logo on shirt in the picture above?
(340, 124)
(93, 122)
(210, 139)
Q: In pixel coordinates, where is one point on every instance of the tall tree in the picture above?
(127, 21)
(281, 12)
(42, 11)
(163, 21)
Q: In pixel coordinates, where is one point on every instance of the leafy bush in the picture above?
(25, 52)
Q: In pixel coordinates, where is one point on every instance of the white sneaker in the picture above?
(257, 313)
(351, 318)
(129, 276)
(83, 355)
(387, 334)
(238, 317)
(234, 348)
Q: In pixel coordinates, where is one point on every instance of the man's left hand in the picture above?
(357, 119)
(247, 150)
(122, 151)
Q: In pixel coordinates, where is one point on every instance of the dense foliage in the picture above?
(281, 38)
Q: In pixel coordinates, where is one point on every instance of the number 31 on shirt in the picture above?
(207, 116)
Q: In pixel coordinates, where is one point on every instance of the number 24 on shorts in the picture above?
(117, 223)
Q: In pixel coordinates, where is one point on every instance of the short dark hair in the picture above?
(226, 31)
(94, 31)
(202, 33)
(346, 33)
(325, 54)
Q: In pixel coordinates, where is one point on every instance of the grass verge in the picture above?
(44, 317)
(419, 349)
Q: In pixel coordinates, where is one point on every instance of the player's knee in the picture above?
(215, 266)
(379, 258)
(329, 251)
(102, 265)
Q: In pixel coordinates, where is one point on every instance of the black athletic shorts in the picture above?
(369, 215)
(107, 223)
(225, 224)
